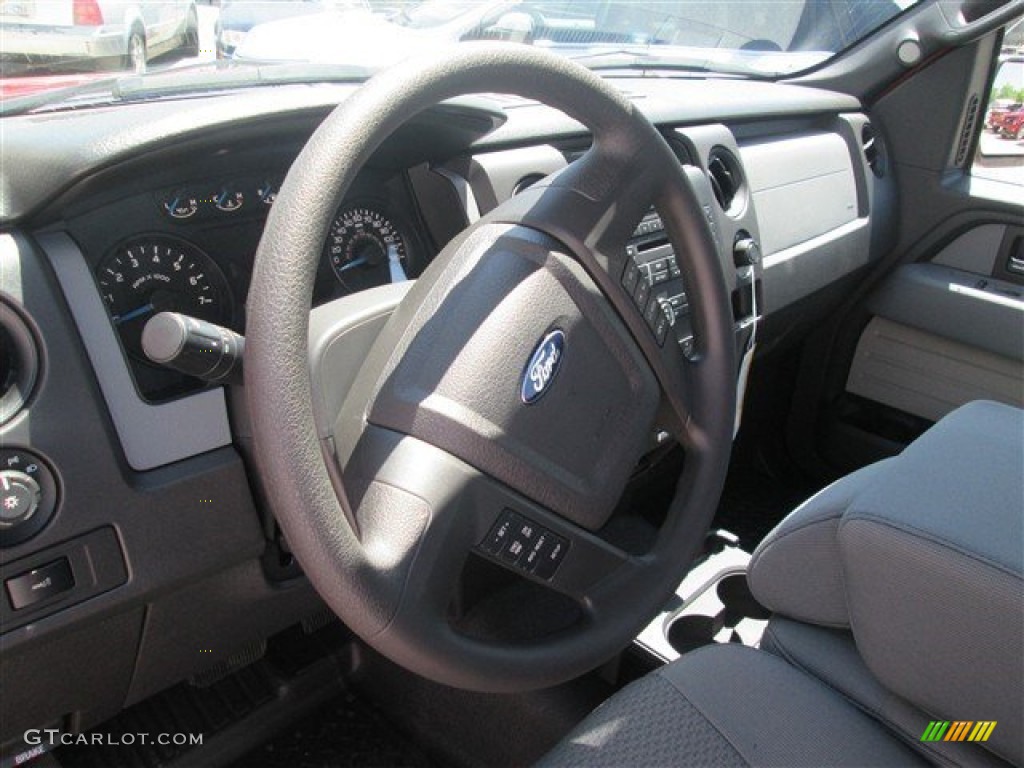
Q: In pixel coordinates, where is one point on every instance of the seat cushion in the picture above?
(831, 656)
(728, 705)
(922, 557)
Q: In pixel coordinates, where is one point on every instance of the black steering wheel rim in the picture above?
(399, 615)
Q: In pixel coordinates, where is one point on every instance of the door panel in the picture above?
(940, 321)
(928, 375)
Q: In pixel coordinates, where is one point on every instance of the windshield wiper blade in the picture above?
(251, 75)
(197, 80)
(660, 57)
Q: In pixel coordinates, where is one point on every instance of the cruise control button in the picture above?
(530, 562)
(551, 557)
(500, 533)
(513, 550)
(520, 540)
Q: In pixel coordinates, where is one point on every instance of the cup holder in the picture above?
(734, 592)
(726, 614)
(688, 632)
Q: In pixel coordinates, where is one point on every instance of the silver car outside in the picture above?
(80, 34)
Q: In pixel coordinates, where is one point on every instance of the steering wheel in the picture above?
(508, 397)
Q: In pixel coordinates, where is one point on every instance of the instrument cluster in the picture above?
(197, 258)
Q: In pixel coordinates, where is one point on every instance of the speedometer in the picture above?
(366, 248)
(155, 273)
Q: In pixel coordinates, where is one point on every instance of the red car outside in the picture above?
(1011, 125)
(998, 111)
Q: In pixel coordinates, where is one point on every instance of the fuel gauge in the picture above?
(181, 205)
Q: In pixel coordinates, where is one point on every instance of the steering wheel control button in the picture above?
(28, 495)
(524, 545)
(551, 557)
(500, 533)
(40, 584)
(521, 541)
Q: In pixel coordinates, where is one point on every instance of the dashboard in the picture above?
(154, 516)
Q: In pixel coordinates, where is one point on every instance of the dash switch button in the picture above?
(40, 584)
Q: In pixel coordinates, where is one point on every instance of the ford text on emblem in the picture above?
(543, 366)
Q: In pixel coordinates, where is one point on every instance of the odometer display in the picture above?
(152, 274)
(365, 248)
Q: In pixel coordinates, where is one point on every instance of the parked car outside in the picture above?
(60, 35)
(998, 111)
(237, 17)
(1012, 125)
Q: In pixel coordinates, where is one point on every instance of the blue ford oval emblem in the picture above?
(543, 365)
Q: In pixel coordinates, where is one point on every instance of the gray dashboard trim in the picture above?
(793, 273)
(151, 435)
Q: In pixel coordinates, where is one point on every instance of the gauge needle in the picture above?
(395, 265)
(138, 312)
(357, 262)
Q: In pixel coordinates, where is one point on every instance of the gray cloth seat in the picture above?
(898, 598)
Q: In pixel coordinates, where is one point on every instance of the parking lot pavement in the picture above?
(991, 144)
(1000, 159)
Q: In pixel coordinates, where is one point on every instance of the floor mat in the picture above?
(348, 733)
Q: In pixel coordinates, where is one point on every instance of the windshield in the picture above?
(55, 48)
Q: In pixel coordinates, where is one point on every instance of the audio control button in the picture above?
(630, 276)
(642, 293)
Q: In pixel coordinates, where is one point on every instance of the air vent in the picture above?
(726, 180)
(872, 150)
(19, 362)
(526, 182)
(970, 121)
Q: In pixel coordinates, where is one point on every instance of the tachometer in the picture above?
(366, 248)
(155, 273)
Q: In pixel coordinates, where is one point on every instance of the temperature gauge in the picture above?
(229, 199)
